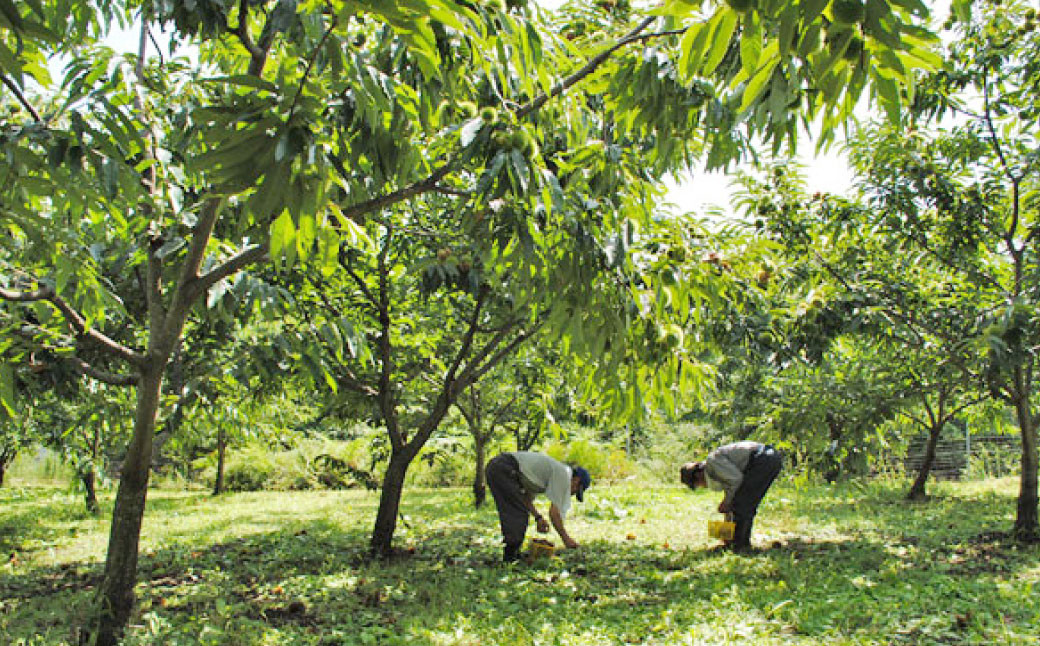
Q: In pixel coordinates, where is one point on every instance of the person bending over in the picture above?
(515, 478)
(744, 471)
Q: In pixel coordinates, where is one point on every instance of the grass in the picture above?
(848, 564)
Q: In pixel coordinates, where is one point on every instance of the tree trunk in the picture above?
(89, 475)
(390, 503)
(218, 486)
(1027, 528)
(479, 486)
(832, 463)
(89, 478)
(7, 456)
(917, 489)
(115, 598)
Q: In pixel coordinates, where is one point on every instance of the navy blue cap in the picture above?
(584, 480)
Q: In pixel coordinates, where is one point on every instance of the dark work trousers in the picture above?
(503, 478)
(759, 474)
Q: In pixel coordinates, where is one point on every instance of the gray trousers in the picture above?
(762, 469)
(503, 478)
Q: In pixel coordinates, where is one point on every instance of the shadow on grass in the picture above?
(26, 525)
(317, 579)
(313, 583)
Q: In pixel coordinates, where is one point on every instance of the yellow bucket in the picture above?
(721, 529)
(539, 547)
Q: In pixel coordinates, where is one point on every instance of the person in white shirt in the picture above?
(744, 471)
(515, 478)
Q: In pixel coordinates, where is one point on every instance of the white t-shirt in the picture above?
(548, 476)
(724, 467)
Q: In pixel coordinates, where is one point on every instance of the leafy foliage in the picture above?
(304, 131)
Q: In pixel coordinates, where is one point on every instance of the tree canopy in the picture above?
(138, 189)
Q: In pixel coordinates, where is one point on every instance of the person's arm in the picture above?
(540, 522)
(557, 521)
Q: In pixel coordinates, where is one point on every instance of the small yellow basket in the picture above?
(721, 529)
(539, 547)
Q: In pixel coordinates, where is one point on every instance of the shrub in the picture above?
(603, 462)
(661, 449)
(40, 465)
(444, 462)
(311, 464)
(250, 469)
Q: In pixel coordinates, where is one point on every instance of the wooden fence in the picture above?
(952, 456)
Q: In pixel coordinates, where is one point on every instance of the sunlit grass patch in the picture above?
(845, 564)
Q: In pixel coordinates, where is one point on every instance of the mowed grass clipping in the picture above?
(846, 564)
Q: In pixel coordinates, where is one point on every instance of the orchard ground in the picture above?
(846, 564)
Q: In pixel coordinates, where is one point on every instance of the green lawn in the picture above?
(850, 564)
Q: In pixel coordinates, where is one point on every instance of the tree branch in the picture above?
(109, 378)
(430, 183)
(351, 381)
(257, 54)
(467, 341)
(488, 357)
(236, 263)
(188, 284)
(385, 348)
(379, 203)
(447, 190)
(76, 321)
(310, 66)
(30, 333)
(587, 69)
(17, 92)
(365, 291)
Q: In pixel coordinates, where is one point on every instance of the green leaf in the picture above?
(245, 80)
(750, 43)
(269, 197)
(7, 390)
(677, 8)
(283, 238)
(878, 23)
(891, 61)
(921, 58)
(351, 231)
(37, 7)
(170, 246)
(888, 91)
(811, 9)
(692, 47)
(241, 147)
(757, 84)
(809, 40)
(305, 235)
(788, 28)
(10, 12)
(446, 16)
(328, 250)
(725, 23)
(962, 9)
(10, 65)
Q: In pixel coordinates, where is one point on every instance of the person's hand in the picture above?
(543, 525)
(725, 507)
